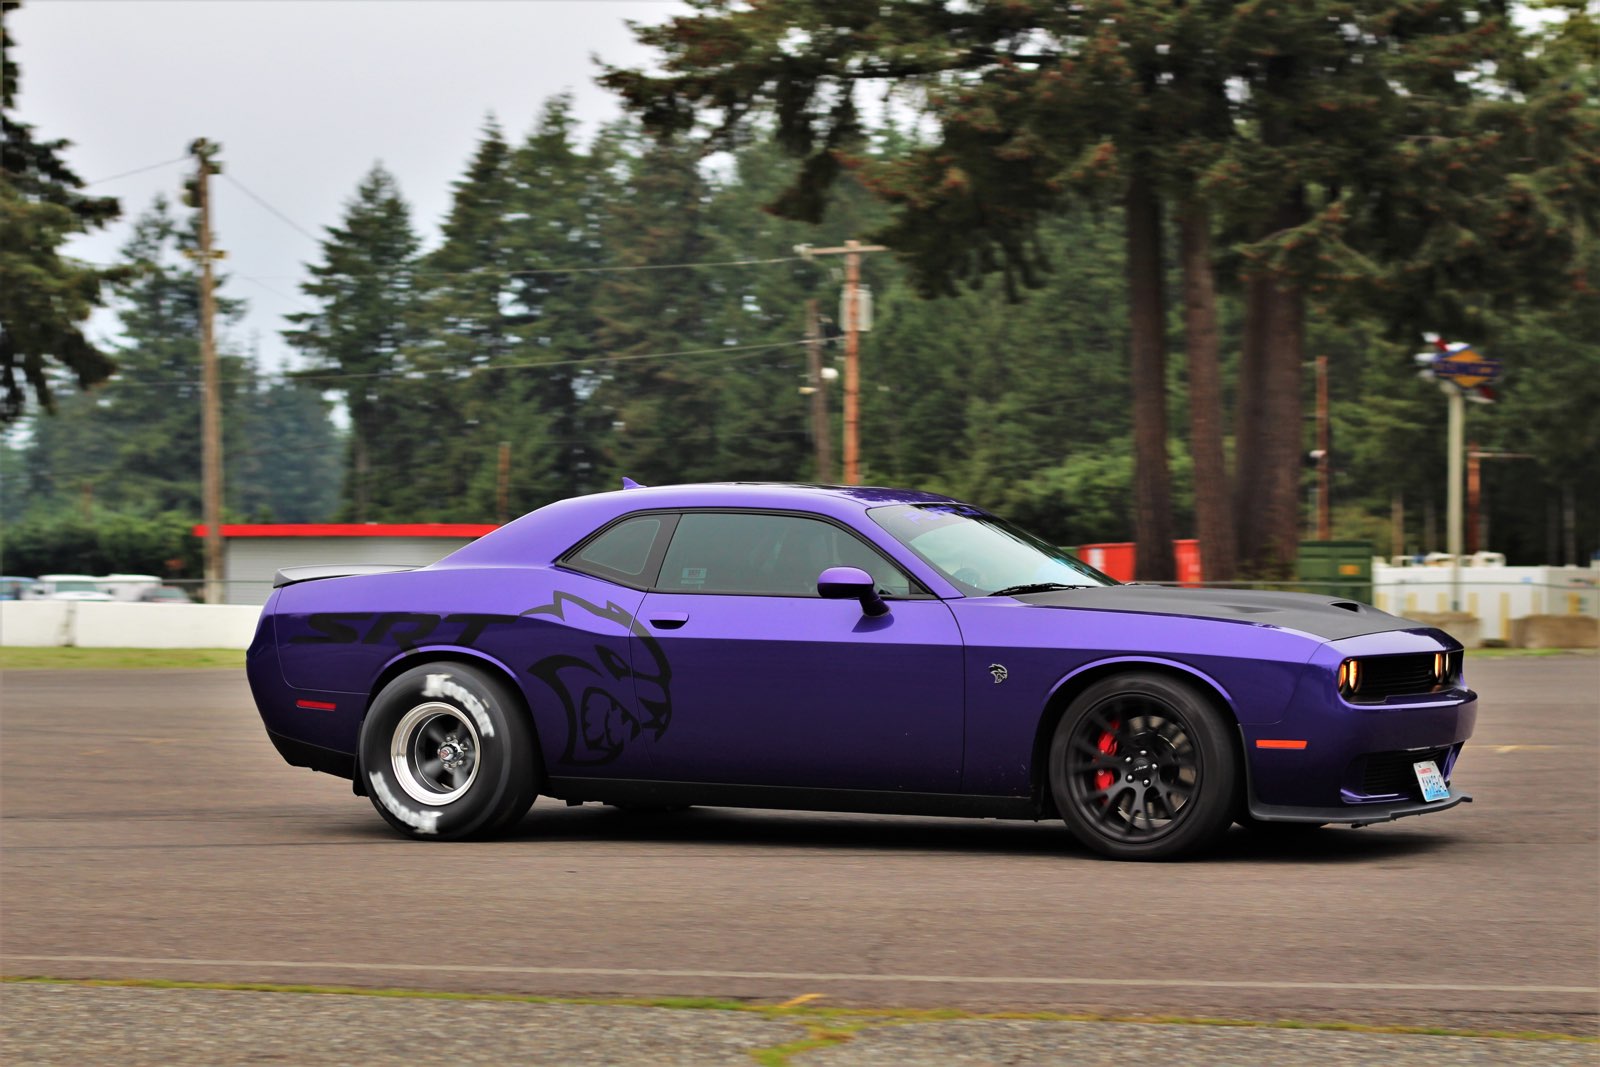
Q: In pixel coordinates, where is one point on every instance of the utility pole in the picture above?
(820, 433)
(1477, 515)
(1458, 370)
(503, 484)
(852, 251)
(1454, 443)
(199, 197)
(1324, 459)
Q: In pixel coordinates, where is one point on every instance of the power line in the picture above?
(136, 170)
(487, 272)
(302, 301)
(285, 218)
(736, 351)
(63, 475)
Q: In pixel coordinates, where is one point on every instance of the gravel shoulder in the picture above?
(47, 1024)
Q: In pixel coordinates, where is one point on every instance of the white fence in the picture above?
(88, 624)
(1496, 595)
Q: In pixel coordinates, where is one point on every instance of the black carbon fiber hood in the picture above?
(1326, 617)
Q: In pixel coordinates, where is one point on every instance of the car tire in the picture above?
(1143, 767)
(448, 751)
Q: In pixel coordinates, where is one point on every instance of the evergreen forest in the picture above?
(1098, 313)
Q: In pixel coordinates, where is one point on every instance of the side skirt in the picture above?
(797, 798)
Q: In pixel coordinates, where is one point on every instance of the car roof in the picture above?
(544, 534)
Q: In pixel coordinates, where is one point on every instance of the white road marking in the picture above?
(805, 976)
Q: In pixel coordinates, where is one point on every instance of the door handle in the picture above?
(669, 620)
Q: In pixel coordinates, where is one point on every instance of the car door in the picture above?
(772, 685)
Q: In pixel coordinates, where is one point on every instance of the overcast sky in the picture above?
(304, 95)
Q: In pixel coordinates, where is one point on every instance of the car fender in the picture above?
(405, 660)
(1066, 683)
(1078, 678)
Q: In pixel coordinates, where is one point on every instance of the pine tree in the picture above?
(45, 298)
(365, 285)
(664, 412)
(131, 444)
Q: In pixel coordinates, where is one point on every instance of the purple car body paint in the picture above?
(855, 649)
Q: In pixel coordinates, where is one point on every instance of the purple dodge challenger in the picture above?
(847, 649)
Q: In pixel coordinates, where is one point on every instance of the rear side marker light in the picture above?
(316, 705)
(1279, 743)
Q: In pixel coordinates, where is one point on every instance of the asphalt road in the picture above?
(149, 830)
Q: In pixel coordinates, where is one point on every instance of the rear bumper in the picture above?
(302, 754)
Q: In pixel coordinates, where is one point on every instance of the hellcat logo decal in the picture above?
(999, 671)
(609, 701)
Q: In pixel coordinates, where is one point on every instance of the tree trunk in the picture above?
(1213, 504)
(1283, 437)
(359, 468)
(1152, 485)
(1270, 436)
(1248, 425)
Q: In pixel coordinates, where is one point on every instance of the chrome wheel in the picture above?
(434, 753)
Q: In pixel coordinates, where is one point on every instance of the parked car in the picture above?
(67, 587)
(13, 587)
(848, 649)
(128, 587)
(165, 594)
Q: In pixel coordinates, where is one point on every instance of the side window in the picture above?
(772, 555)
(622, 553)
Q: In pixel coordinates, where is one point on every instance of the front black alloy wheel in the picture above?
(448, 751)
(1142, 767)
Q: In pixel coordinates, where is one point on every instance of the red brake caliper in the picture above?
(1108, 745)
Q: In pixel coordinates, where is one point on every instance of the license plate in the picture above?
(1431, 781)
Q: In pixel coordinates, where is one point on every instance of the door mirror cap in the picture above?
(851, 583)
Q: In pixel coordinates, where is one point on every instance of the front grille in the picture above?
(1387, 676)
(1391, 773)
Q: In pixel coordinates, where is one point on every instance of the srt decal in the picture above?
(407, 629)
(608, 703)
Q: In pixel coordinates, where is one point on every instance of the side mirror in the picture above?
(851, 583)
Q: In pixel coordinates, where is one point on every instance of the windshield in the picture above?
(981, 554)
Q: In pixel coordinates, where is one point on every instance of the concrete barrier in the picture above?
(1555, 631)
(1458, 624)
(88, 624)
(164, 625)
(36, 623)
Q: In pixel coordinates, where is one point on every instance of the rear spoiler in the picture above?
(294, 575)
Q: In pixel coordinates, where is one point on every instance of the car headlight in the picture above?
(1350, 677)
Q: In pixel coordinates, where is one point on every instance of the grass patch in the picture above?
(16, 658)
(846, 1022)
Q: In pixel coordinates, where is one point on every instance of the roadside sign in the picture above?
(1466, 368)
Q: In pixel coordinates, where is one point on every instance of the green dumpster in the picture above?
(1337, 568)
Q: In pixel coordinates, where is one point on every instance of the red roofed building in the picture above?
(253, 552)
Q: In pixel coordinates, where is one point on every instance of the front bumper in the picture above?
(1354, 814)
(1329, 760)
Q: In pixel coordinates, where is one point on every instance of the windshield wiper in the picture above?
(1031, 587)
